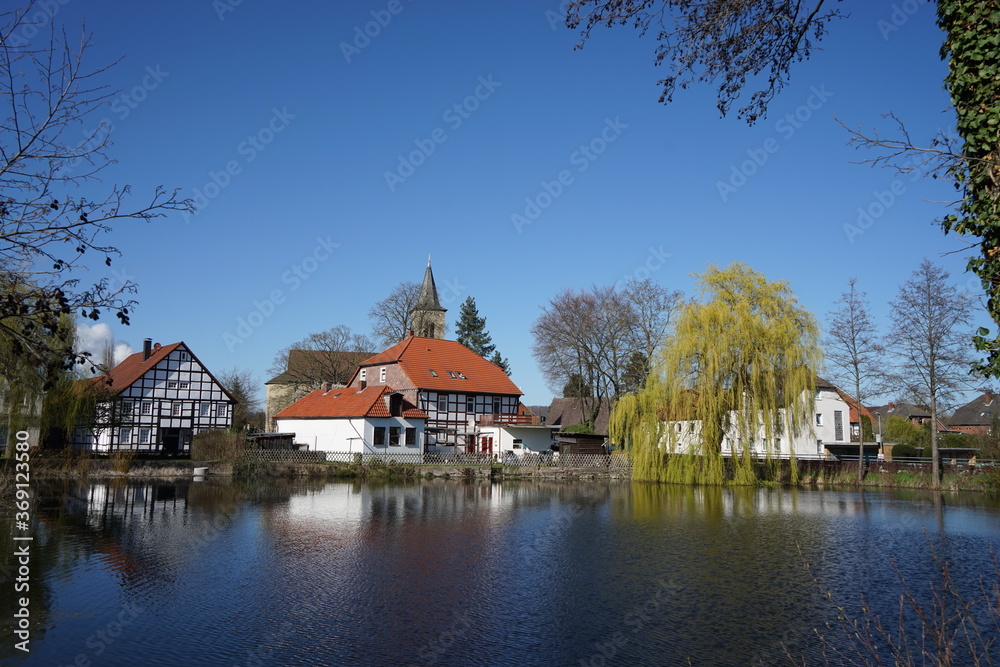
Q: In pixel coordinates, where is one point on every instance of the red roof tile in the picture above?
(456, 367)
(133, 367)
(347, 402)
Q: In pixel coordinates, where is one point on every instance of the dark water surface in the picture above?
(472, 574)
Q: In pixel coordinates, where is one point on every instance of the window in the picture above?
(451, 374)
(185, 356)
(462, 375)
(175, 409)
(378, 439)
(838, 424)
(433, 374)
(442, 402)
(221, 410)
(147, 408)
(394, 436)
(411, 436)
(819, 447)
(496, 406)
(470, 403)
(819, 419)
(126, 408)
(206, 410)
(143, 436)
(381, 375)
(184, 385)
(125, 436)
(171, 385)
(363, 375)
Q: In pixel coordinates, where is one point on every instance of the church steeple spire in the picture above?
(427, 316)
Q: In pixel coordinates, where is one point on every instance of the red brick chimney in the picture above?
(987, 398)
(891, 406)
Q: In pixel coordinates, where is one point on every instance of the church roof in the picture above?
(444, 365)
(428, 298)
(347, 402)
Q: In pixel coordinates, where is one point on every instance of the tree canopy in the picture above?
(740, 363)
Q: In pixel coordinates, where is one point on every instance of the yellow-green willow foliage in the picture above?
(740, 362)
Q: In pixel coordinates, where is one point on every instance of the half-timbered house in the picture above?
(155, 400)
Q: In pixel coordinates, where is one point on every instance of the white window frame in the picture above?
(125, 435)
(222, 410)
(381, 375)
(206, 410)
(144, 434)
(176, 409)
(147, 408)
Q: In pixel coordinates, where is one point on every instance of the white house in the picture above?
(355, 420)
(157, 400)
(828, 426)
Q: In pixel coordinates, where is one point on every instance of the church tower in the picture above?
(427, 317)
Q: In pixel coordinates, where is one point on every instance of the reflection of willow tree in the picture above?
(738, 363)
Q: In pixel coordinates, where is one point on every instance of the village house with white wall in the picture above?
(827, 433)
(157, 400)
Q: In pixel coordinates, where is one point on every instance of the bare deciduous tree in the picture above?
(855, 353)
(327, 356)
(594, 337)
(244, 386)
(48, 230)
(390, 317)
(929, 335)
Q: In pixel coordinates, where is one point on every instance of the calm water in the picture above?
(471, 574)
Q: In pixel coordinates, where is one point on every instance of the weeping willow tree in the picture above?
(738, 369)
(25, 381)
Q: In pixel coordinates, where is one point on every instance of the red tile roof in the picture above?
(457, 368)
(125, 374)
(347, 402)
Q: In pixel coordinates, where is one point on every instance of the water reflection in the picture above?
(474, 573)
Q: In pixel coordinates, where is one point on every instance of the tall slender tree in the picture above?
(855, 354)
(929, 335)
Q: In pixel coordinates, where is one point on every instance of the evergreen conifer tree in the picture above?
(471, 332)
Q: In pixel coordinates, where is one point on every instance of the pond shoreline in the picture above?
(810, 476)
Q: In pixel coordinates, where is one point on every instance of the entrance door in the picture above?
(175, 440)
(170, 440)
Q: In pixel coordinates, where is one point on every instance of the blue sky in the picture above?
(284, 128)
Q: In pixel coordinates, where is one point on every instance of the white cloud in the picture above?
(92, 338)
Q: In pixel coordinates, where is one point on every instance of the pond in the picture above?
(453, 573)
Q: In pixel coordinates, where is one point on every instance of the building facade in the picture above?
(155, 401)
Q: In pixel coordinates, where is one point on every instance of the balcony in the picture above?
(509, 420)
